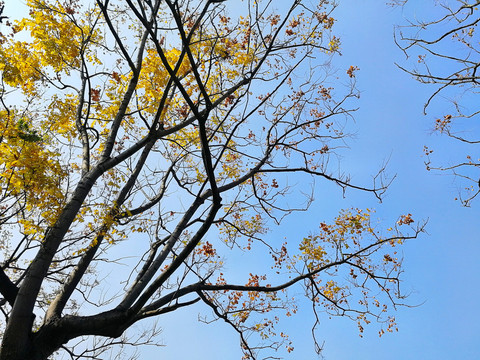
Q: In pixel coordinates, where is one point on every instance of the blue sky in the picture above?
(442, 270)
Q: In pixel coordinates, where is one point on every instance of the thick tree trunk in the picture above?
(16, 341)
(58, 331)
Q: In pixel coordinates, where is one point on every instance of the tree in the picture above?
(162, 135)
(446, 51)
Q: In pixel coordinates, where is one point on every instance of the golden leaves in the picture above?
(345, 233)
(19, 66)
(60, 119)
(331, 289)
(312, 252)
(56, 39)
(56, 43)
(334, 44)
(28, 167)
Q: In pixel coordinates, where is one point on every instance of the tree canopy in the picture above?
(162, 137)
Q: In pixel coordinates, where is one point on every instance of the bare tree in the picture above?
(163, 137)
(447, 54)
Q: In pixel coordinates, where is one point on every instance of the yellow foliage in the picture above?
(29, 168)
(57, 43)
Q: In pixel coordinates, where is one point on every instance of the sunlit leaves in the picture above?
(20, 67)
(28, 167)
(346, 234)
(58, 42)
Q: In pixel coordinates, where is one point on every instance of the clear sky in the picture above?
(442, 269)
